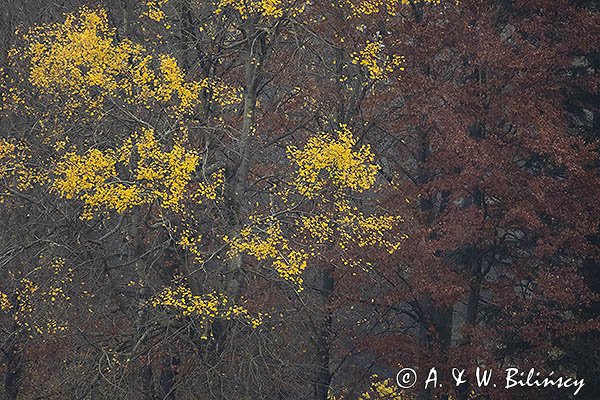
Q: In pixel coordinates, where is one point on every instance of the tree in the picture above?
(118, 132)
(501, 183)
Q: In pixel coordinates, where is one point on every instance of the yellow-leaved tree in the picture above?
(191, 187)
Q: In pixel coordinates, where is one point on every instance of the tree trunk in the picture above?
(324, 338)
(239, 181)
(12, 376)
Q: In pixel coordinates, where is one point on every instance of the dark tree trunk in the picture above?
(323, 339)
(12, 376)
(168, 378)
(147, 386)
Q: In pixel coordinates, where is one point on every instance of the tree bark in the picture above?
(12, 376)
(324, 338)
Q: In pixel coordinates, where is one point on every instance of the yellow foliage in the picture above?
(211, 190)
(13, 169)
(5, 304)
(379, 390)
(164, 175)
(383, 390)
(76, 55)
(8, 158)
(265, 241)
(174, 82)
(32, 305)
(350, 228)
(318, 227)
(81, 61)
(378, 65)
(345, 167)
(245, 8)
(223, 94)
(266, 8)
(205, 308)
(327, 164)
(92, 178)
(190, 240)
(157, 175)
(154, 9)
(369, 230)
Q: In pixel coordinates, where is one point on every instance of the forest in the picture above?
(299, 199)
